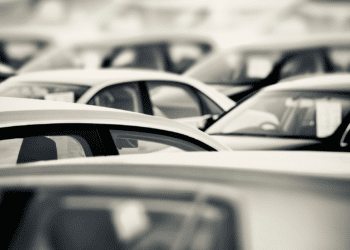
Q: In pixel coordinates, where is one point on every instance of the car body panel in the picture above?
(304, 194)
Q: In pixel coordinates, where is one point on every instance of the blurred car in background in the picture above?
(21, 44)
(248, 67)
(145, 91)
(219, 200)
(36, 130)
(165, 51)
(309, 113)
(18, 46)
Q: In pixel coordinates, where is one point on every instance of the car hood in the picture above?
(265, 143)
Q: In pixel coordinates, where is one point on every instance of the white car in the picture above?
(34, 130)
(144, 91)
(194, 200)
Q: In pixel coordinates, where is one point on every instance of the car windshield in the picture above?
(234, 67)
(43, 91)
(286, 114)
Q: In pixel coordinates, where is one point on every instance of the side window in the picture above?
(41, 148)
(123, 96)
(184, 55)
(136, 142)
(129, 221)
(301, 64)
(173, 100)
(144, 57)
(340, 58)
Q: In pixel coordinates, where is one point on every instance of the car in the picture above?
(165, 51)
(20, 44)
(33, 130)
(193, 200)
(305, 113)
(247, 67)
(145, 91)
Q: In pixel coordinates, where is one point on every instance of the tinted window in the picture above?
(144, 57)
(301, 64)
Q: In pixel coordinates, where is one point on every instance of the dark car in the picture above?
(311, 113)
(246, 68)
(192, 201)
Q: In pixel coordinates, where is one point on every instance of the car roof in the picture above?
(91, 77)
(332, 82)
(298, 163)
(22, 112)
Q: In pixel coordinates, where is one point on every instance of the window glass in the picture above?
(223, 68)
(173, 100)
(39, 148)
(144, 57)
(131, 223)
(340, 58)
(123, 96)
(135, 142)
(184, 55)
(300, 64)
(43, 91)
(235, 67)
(286, 114)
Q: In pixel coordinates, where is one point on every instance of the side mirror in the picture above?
(207, 121)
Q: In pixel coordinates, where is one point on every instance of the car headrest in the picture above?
(37, 148)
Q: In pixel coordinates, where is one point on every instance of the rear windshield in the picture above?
(43, 91)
